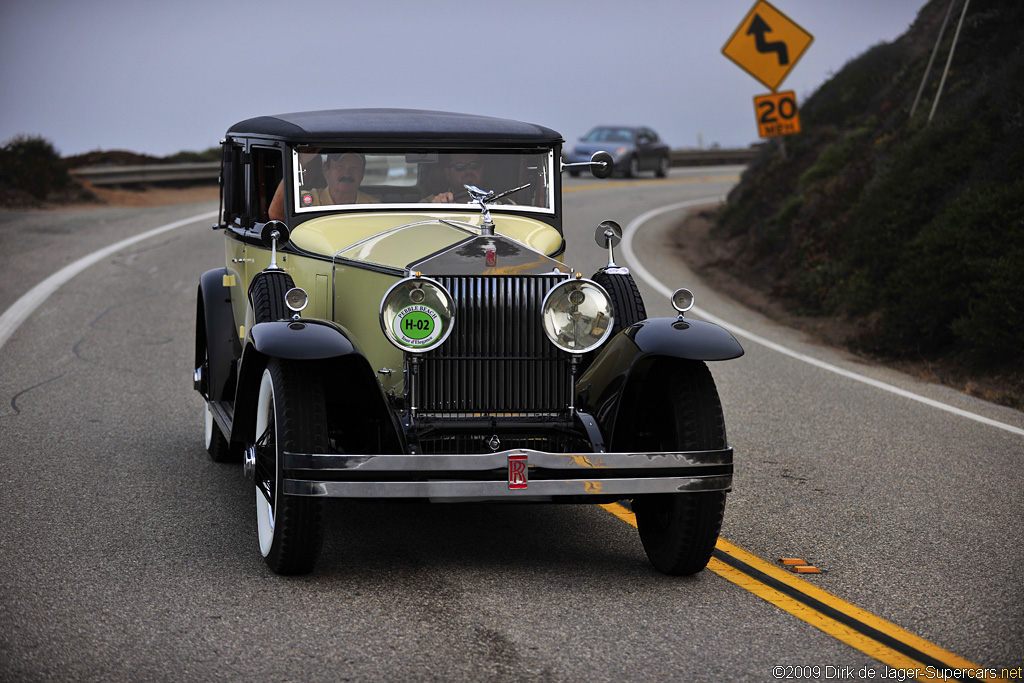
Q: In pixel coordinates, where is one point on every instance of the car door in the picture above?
(655, 149)
(645, 159)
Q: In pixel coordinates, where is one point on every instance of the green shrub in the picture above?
(842, 100)
(32, 165)
(834, 158)
(788, 211)
(991, 325)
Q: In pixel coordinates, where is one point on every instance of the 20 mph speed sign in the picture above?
(777, 114)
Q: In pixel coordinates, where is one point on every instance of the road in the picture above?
(126, 554)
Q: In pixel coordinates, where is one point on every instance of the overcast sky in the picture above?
(161, 77)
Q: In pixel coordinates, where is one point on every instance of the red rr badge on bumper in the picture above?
(517, 478)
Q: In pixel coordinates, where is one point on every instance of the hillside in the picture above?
(905, 234)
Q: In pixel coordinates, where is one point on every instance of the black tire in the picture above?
(664, 164)
(679, 530)
(627, 304)
(632, 169)
(292, 417)
(266, 295)
(574, 172)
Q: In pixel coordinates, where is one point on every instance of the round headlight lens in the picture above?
(577, 315)
(416, 314)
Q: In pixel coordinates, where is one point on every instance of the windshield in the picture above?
(332, 178)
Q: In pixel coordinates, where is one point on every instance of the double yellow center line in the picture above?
(859, 629)
(653, 181)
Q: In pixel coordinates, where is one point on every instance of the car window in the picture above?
(233, 183)
(335, 178)
(610, 135)
(266, 175)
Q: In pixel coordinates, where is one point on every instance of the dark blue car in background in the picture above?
(634, 148)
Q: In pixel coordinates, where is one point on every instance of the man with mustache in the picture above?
(344, 173)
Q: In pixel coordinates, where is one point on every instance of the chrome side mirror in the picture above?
(274, 234)
(608, 236)
(601, 165)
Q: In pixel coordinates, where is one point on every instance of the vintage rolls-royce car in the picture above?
(394, 320)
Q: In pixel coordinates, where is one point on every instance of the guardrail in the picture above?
(205, 171)
(209, 171)
(713, 157)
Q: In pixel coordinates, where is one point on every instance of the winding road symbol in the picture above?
(758, 27)
(767, 44)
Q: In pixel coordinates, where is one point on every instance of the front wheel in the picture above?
(633, 168)
(627, 304)
(290, 417)
(679, 530)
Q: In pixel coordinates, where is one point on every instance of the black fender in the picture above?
(355, 397)
(217, 336)
(685, 338)
(299, 340)
(611, 387)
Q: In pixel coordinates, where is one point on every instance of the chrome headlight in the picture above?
(682, 300)
(577, 315)
(416, 314)
(296, 299)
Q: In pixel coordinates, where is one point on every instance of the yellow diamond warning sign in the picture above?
(777, 114)
(767, 44)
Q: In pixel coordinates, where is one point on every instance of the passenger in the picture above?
(344, 174)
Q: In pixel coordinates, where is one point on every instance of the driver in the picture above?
(459, 170)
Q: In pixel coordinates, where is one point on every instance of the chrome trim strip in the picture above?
(442, 463)
(499, 490)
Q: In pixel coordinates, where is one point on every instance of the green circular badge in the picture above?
(417, 326)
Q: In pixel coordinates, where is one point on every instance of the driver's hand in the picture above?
(443, 198)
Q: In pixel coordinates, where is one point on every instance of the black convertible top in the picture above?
(393, 125)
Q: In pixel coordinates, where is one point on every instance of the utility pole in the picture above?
(948, 61)
(931, 60)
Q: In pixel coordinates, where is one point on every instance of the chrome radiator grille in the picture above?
(497, 360)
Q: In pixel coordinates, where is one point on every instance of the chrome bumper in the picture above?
(512, 475)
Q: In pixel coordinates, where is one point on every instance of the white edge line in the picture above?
(21, 309)
(636, 267)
